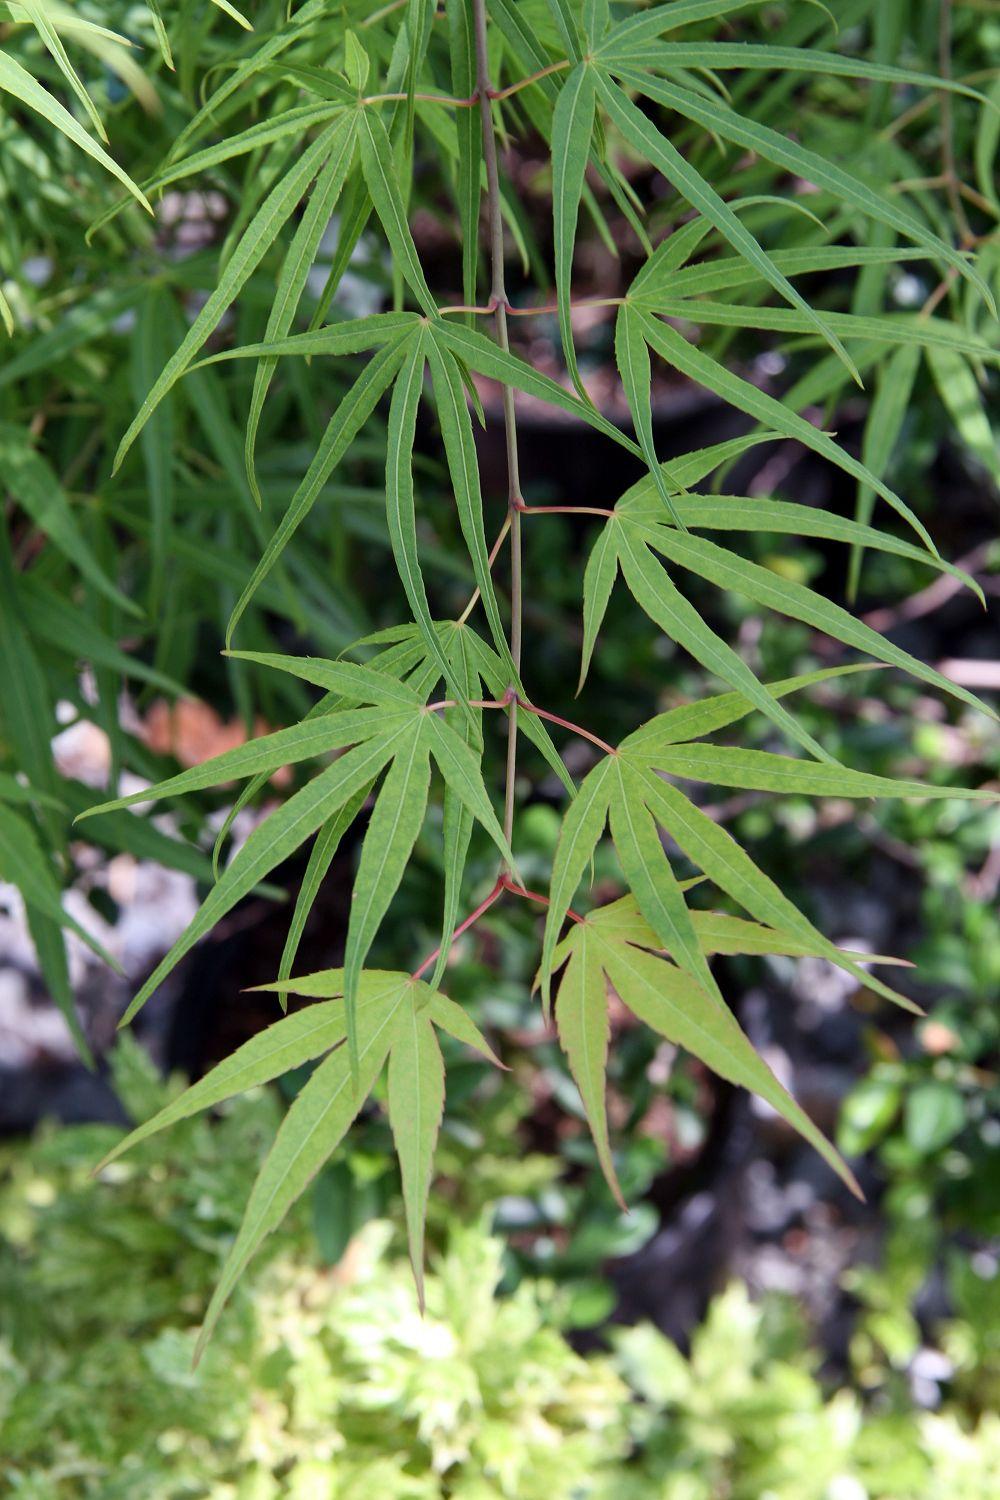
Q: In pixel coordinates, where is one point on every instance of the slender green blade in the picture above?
(572, 127)
(356, 684)
(598, 582)
(452, 1018)
(416, 1105)
(377, 164)
(316, 1123)
(582, 827)
(886, 415)
(321, 855)
(582, 1022)
(632, 358)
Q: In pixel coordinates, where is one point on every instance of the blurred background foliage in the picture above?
(113, 603)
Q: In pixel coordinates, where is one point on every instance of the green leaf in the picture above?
(280, 1047)
(722, 859)
(292, 279)
(667, 607)
(655, 148)
(343, 427)
(582, 827)
(273, 841)
(416, 1104)
(460, 766)
(457, 820)
(671, 1004)
(707, 372)
(35, 487)
(730, 572)
(399, 504)
(650, 878)
(759, 770)
(582, 1022)
(470, 140)
(377, 164)
(598, 581)
(18, 82)
(572, 127)
(325, 846)
(460, 451)
(355, 683)
(884, 422)
(640, 29)
(452, 1018)
(316, 1123)
(690, 721)
(480, 353)
(395, 822)
(25, 864)
(632, 358)
(962, 399)
(260, 234)
(880, 206)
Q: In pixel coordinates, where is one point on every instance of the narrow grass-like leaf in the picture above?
(598, 581)
(260, 234)
(292, 279)
(416, 1104)
(641, 29)
(38, 15)
(316, 1123)
(470, 139)
(460, 766)
(572, 128)
(26, 865)
(962, 398)
(884, 422)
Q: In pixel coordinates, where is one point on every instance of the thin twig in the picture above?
(494, 553)
(473, 916)
(499, 300)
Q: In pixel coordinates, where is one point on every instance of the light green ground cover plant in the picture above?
(333, 1382)
(332, 113)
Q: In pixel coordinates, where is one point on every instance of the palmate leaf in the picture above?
(396, 1018)
(600, 950)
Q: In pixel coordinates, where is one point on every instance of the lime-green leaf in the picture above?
(722, 859)
(964, 401)
(416, 1104)
(273, 841)
(582, 1022)
(572, 127)
(673, 1005)
(470, 139)
(582, 827)
(456, 1021)
(640, 29)
(355, 683)
(313, 1128)
(325, 846)
(283, 1045)
(598, 581)
(395, 822)
(649, 875)
(460, 766)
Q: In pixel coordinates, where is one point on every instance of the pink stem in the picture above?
(474, 916)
